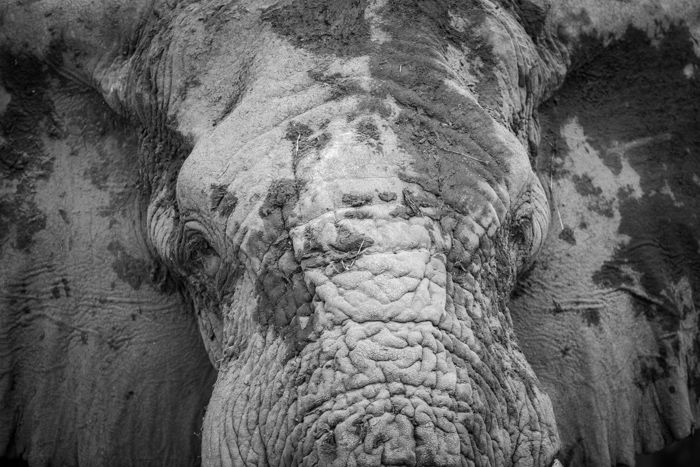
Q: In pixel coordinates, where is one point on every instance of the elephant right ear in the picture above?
(608, 317)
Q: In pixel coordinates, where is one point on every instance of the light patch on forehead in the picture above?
(347, 157)
(377, 32)
(247, 148)
(246, 168)
(278, 72)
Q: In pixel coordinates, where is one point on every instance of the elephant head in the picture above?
(342, 194)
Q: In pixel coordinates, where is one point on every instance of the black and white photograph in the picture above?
(350, 233)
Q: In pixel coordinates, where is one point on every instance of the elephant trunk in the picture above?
(401, 354)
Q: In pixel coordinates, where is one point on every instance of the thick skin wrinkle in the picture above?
(407, 361)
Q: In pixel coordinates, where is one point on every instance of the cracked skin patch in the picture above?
(634, 102)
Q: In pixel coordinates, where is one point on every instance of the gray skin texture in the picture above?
(339, 198)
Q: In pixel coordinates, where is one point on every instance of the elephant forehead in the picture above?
(370, 161)
(348, 127)
(351, 151)
(331, 163)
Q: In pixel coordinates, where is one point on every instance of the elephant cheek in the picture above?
(409, 361)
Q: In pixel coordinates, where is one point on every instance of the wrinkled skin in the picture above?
(346, 199)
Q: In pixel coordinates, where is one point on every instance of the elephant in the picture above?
(348, 232)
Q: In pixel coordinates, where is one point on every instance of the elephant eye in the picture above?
(522, 232)
(523, 239)
(530, 226)
(198, 255)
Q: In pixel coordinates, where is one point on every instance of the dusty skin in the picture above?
(348, 233)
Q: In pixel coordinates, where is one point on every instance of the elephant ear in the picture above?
(100, 361)
(608, 316)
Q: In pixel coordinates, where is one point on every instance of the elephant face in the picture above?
(342, 195)
(350, 233)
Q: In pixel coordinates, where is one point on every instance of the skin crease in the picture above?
(343, 195)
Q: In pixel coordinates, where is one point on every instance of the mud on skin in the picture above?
(342, 193)
(386, 275)
(320, 313)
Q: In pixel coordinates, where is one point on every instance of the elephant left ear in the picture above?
(608, 316)
(100, 358)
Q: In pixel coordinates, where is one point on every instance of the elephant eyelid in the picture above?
(193, 227)
(196, 252)
(195, 235)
